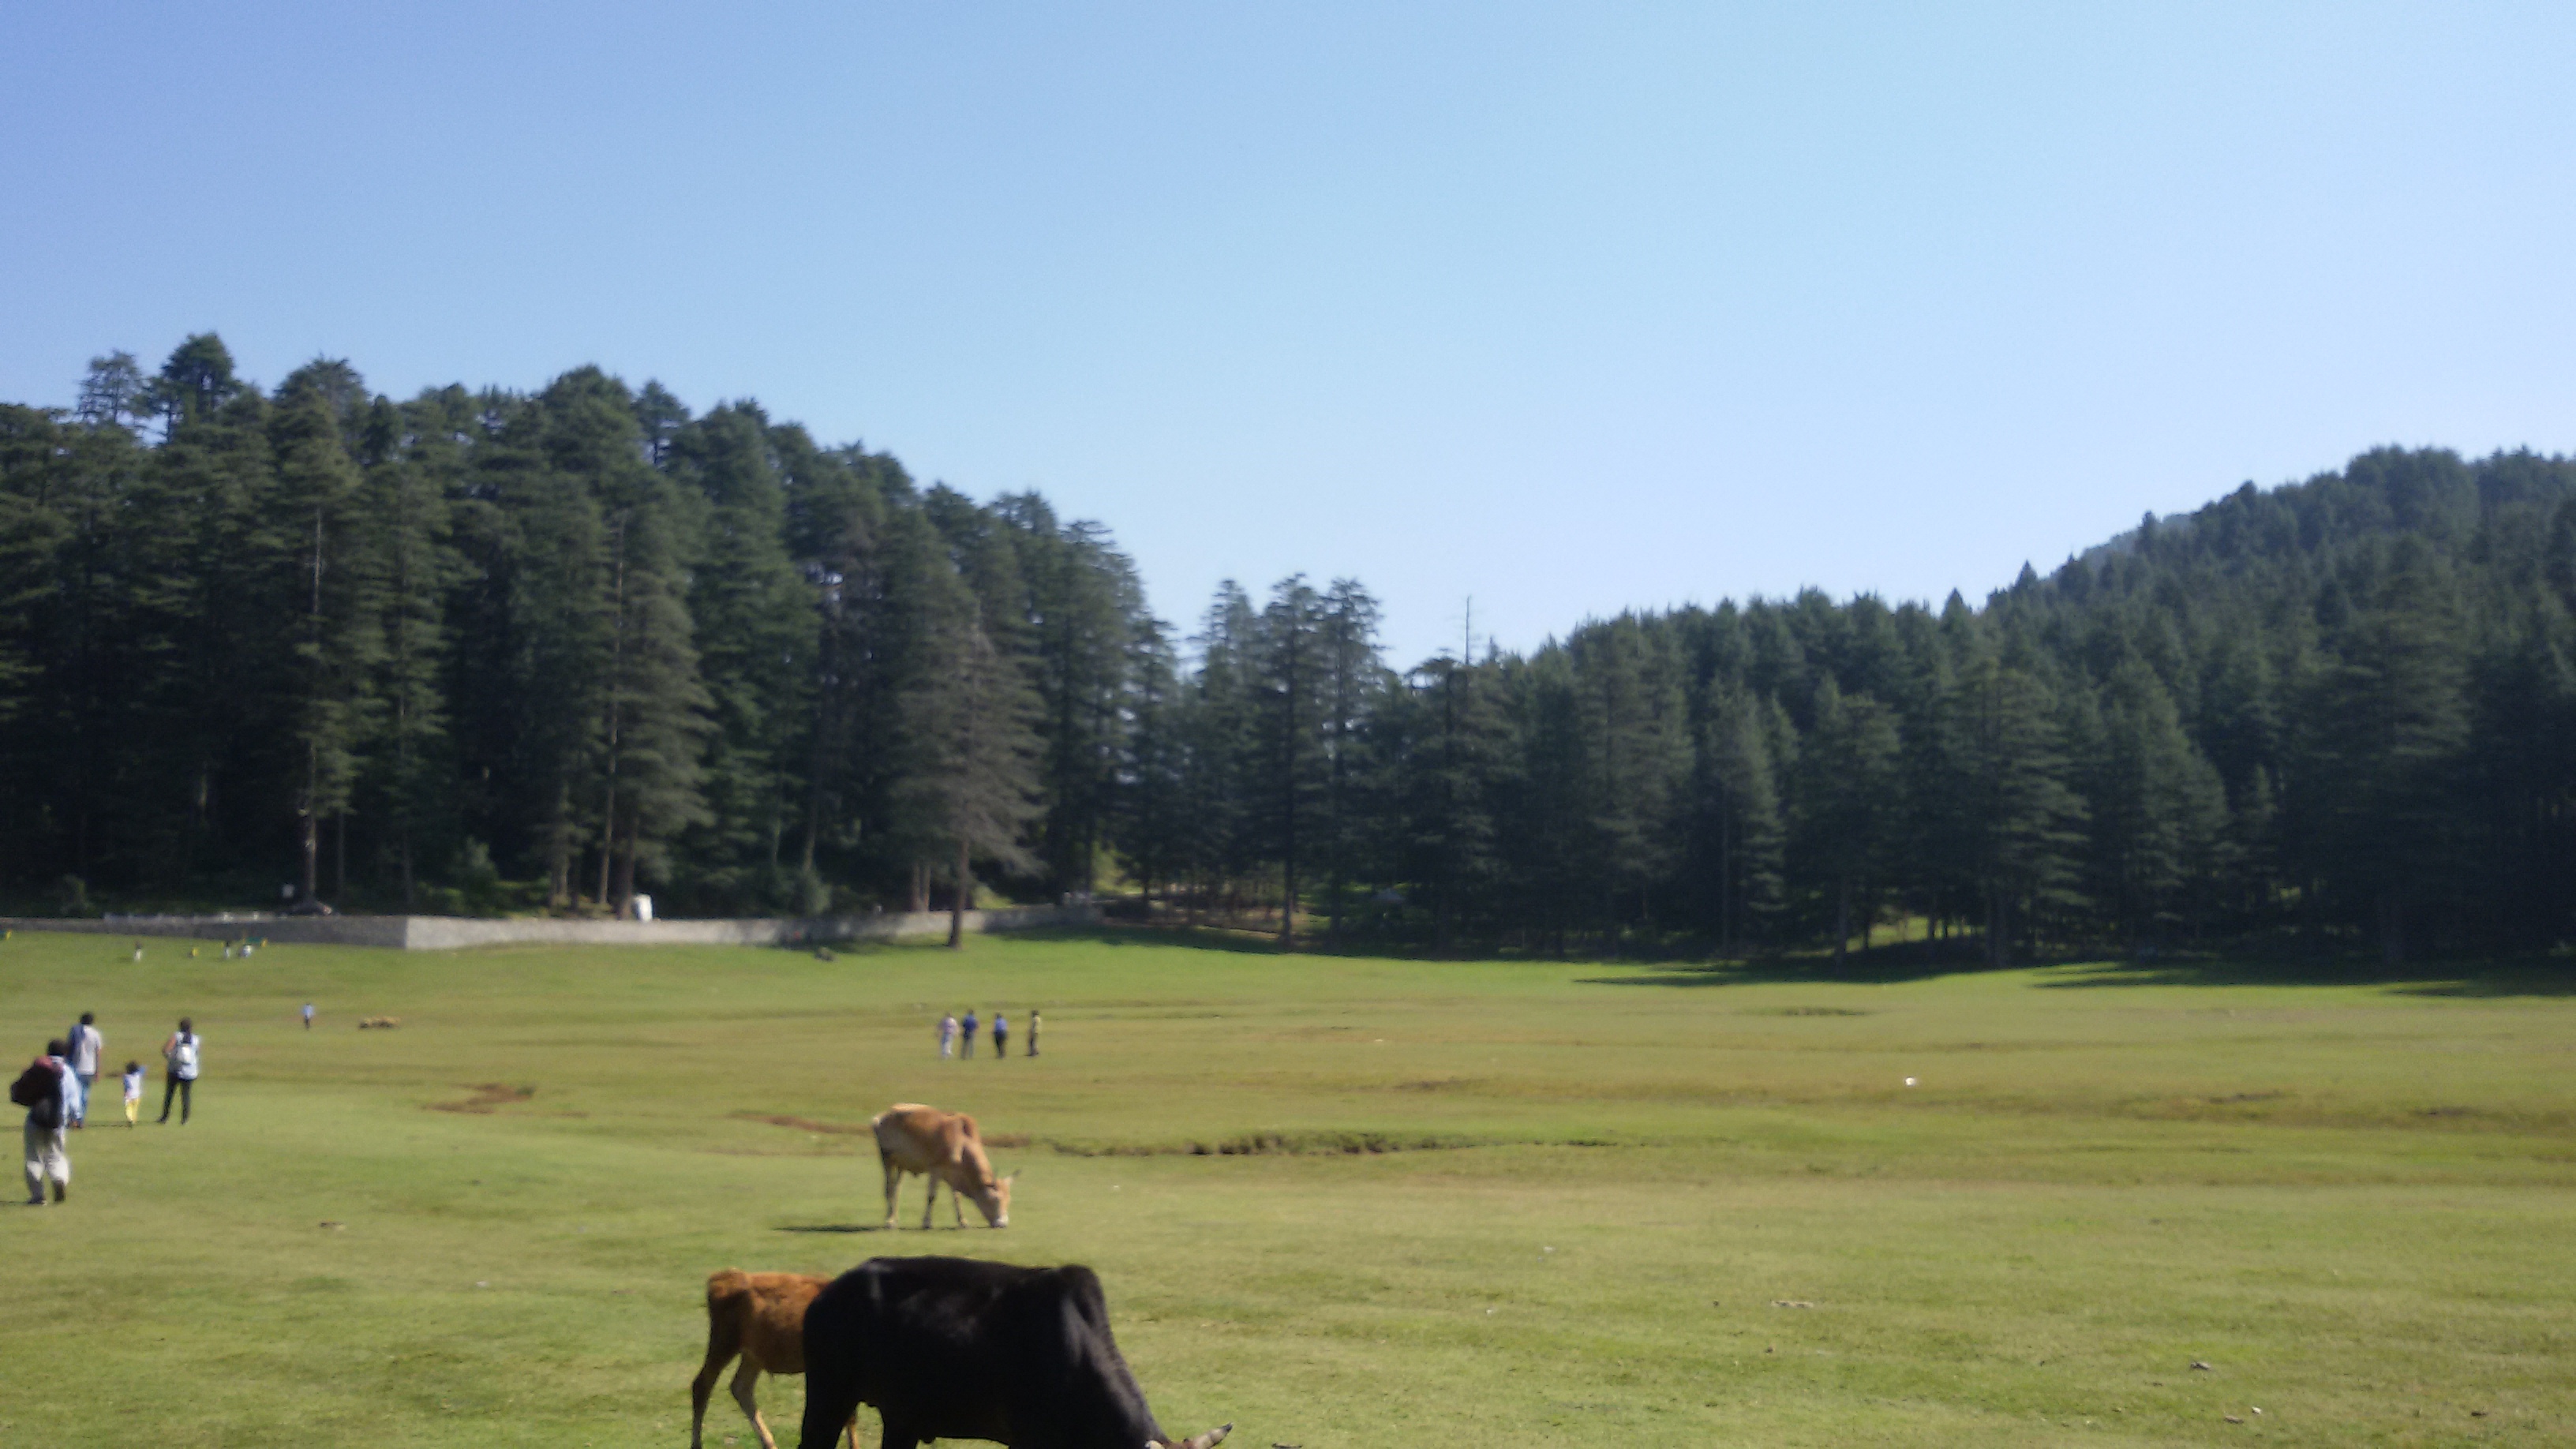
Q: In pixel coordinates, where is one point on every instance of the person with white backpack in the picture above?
(180, 1051)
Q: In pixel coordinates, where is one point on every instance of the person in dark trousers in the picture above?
(968, 1026)
(180, 1051)
(1033, 1031)
(41, 1090)
(1001, 1036)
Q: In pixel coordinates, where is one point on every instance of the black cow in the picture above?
(952, 1348)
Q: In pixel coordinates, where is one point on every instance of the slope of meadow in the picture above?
(490, 1226)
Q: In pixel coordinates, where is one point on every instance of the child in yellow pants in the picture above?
(133, 1092)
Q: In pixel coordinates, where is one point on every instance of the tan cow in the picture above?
(945, 1147)
(760, 1316)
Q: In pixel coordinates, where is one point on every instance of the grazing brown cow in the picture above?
(760, 1316)
(945, 1147)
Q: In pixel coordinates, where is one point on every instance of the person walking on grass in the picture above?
(133, 1093)
(308, 1016)
(87, 1049)
(1001, 1036)
(969, 1052)
(1033, 1031)
(180, 1051)
(947, 1035)
(40, 1089)
(75, 1101)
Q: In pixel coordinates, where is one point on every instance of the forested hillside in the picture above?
(492, 650)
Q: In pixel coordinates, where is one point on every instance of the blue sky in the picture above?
(1564, 308)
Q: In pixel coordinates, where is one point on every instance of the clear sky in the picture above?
(1566, 308)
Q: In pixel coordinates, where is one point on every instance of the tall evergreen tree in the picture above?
(1849, 809)
(338, 639)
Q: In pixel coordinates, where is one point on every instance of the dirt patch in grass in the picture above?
(862, 1129)
(487, 1099)
(1325, 1143)
(1311, 1144)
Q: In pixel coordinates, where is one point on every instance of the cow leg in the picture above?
(743, 1378)
(831, 1410)
(894, 1182)
(721, 1347)
(899, 1435)
(930, 1204)
(956, 1206)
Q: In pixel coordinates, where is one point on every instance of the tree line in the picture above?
(486, 649)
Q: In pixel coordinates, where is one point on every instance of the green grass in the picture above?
(2353, 1201)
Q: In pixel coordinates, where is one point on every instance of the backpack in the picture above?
(183, 1056)
(39, 1089)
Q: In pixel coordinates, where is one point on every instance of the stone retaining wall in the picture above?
(446, 933)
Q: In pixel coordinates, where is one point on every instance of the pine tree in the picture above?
(1290, 656)
(1848, 808)
(2389, 733)
(1353, 684)
(338, 639)
(757, 632)
(2019, 818)
(1629, 691)
(1223, 749)
(1743, 801)
(404, 511)
(973, 776)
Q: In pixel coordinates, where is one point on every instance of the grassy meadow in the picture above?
(1627, 1203)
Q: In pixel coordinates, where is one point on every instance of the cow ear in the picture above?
(1012, 1176)
(1210, 1439)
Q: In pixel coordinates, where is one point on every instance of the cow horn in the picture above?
(1210, 1439)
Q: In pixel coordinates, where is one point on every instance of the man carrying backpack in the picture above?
(181, 1080)
(39, 1089)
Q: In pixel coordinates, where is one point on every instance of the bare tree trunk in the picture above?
(1725, 881)
(308, 824)
(607, 833)
(624, 904)
(1842, 919)
(616, 673)
(957, 907)
(559, 849)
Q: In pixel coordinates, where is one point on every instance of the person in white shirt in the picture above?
(180, 1051)
(87, 1047)
(75, 1098)
(133, 1093)
(947, 1035)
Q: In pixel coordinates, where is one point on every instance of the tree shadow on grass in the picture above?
(2526, 977)
(834, 1228)
(2473, 979)
(1856, 970)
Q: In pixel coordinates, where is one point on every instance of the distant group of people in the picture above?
(55, 1089)
(957, 1038)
